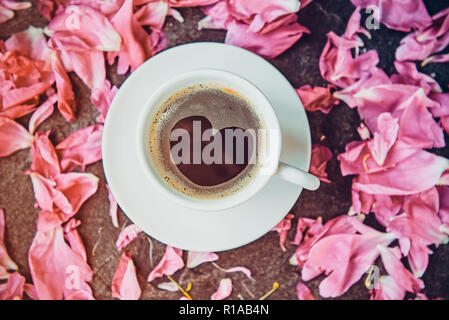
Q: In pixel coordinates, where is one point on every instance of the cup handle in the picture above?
(298, 176)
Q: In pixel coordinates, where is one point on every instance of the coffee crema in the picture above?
(228, 116)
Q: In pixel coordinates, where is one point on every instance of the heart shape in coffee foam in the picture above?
(206, 173)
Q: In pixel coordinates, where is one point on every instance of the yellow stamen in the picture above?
(180, 288)
(266, 295)
(189, 287)
(426, 61)
(368, 277)
(365, 158)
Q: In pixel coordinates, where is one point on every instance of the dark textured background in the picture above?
(264, 257)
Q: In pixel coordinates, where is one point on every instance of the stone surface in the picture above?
(264, 257)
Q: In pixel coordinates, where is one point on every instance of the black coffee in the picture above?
(203, 141)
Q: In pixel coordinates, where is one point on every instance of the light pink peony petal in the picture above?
(125, 285)
(6, 262)
(270, 44)
(190, 3)
(13, 289)
(418, 173)
(127, 235)
(30, 43)
(168, 286)
(87, 24)
(345, 258)
(57, 270)
(81, 148)
(259, 14)
(303, 292)
(44, 159)
(66, 98)
(13, 137)
(194, 259)
(153, 14)
(363, 132)
(73, 238)
(79, 57)
(320, 156)
(384, 137)
(5, 14)
(317, 98)
(113, 208)
(169, 264)
(42, 113)
(137, 45)
(409, 74)
(303, 224)
(387, 289)
(102, 98)
(217, 16)
(392, 263)
(282, 229)
(224, 290)
(420, 44)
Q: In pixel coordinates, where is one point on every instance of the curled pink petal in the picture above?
(270, 44)
(125, 285)
(113, 208)
(81, 148)
(320, 156)
(13, 289)
(409, 74)
(127, 235)
(194, 259)
(66, 98)
(169, 264)
(317, 98)
(6, 262)
(42, 113)
(217, 16)
(303, 292)
(303, 224)
(102, 98)
(153, 14)
(282, 229)
(224, 290)
(13, 137)
(387, 289)
(44, 159)
(392, 263)
(384, 138)
(57, 270)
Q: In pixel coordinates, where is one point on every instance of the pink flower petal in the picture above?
(409, 74)
(44, 159)
(317, 98)
(57, 270)
(217, 16)
(384, 138)
(73, 238)
(392, 263)
(81, 148)
(320, 156)
(66, 98)
(42, 113)
(102, 98)
(5, 14)
(153, 14)
(127, 235)
(113, 208)
(168, 286)
(418, 173)
(303, 292)
(303, 224)
(6, 262)
(190, 3)
(270, 44)
(125, 285)
(169, 264)
(282, 229)
(194, 259)
(13, 137)
(224, 290)
(345, 258)
(387, 289)
(137, 45)
(30, 43)
(13, 289)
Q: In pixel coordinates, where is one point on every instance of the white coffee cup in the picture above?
(270, 167)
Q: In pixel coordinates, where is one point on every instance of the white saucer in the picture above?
(166, 221)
